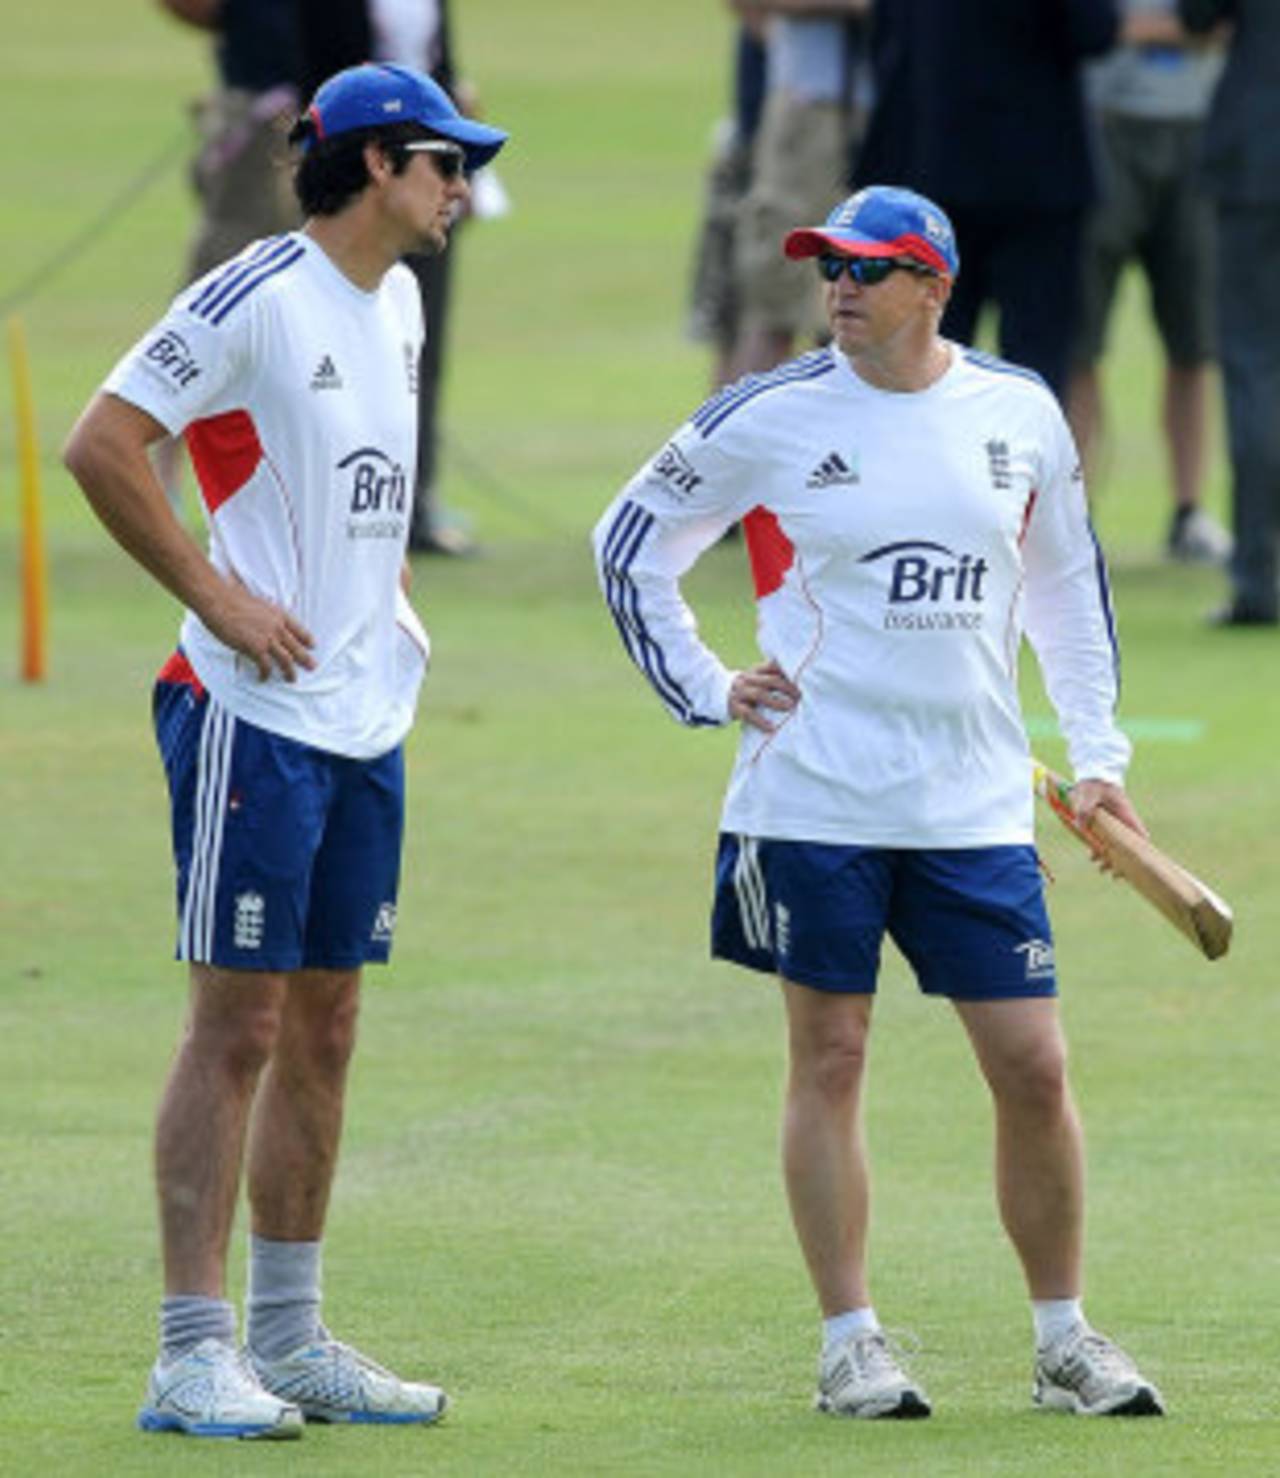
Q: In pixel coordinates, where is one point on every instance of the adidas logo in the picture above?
(831, 472)
(326, 376)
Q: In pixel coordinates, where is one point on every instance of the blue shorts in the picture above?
(288, 857)
(971, 921)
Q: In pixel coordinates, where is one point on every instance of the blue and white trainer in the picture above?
(330, 1382)
(211, 1391)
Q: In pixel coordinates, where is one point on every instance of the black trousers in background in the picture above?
(1028, 265)
(1249, 344)
(433, 275)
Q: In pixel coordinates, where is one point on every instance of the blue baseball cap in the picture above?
(377, 94)
(882, 221)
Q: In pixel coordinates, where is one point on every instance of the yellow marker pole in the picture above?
(35, 601)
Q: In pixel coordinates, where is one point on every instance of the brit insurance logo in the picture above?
(673, 470)
(1038, 954)
(172, 356)
(930, 587)
(378, 494)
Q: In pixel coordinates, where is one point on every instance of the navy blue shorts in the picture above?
(971, 921)
(288, 857)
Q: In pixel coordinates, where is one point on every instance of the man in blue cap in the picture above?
(910, 508)
(292, 373)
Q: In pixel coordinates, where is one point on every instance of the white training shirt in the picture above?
(900, 545)
(297, 394)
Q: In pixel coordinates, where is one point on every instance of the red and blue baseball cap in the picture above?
(882, 221)
(376, 94)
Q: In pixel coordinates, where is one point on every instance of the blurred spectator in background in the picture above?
(979, 105)
(241, 174)
(714, 306)
(814, 110)
(412, 33)
(1149, 98)
(1242, 173)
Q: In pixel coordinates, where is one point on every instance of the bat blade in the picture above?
(1190, 905)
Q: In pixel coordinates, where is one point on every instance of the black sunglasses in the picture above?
(866, 270)
(448, 158)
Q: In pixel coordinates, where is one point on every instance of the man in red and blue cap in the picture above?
(911, 509)
(883, 223)
(291, 371)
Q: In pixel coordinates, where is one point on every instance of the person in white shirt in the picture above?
(291, 372)
(911, 507)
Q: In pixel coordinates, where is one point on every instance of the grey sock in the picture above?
(188, 1318)
(283, 1305)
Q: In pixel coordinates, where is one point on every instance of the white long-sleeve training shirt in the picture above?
(901, 545)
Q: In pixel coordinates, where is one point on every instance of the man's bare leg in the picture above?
(1186, 398)
(760, 349)
(297, 1120)
(1039, 1142)
(1040, 1182)
(1085, 416)
(230, 1033)
(825, 1163)
(823, 1154)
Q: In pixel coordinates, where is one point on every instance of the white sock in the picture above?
(1056, 1318)
(853, 1321)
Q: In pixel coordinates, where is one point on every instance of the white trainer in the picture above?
(860, 1376)
(1195, 537)
(331, 1382)
(211, 1392)
(1088, 1374)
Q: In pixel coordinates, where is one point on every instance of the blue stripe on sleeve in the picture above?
(733, 397)
(1104, 596)
(630, 528)
(235, 272)
(253, 283)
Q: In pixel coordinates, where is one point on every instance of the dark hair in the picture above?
(332, 172)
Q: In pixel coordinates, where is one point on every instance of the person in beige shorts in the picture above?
(812, 115)
(241, 172)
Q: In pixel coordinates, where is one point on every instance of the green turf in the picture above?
(559, 1193)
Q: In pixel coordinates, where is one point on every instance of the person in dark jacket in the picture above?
(1242, 172)
(979, 105)
(344, 33)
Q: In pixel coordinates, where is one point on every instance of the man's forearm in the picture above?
(107, 455)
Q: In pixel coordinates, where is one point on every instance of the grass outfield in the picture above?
(559, 1194)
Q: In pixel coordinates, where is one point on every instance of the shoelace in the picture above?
(1094, 1356)
(883, 1351)
(224, 1378)
(338, 1352)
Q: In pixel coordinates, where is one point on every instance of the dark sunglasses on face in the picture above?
(448, 158)
(866, 270)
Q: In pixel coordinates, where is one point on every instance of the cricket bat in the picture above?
(1189, 905)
